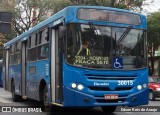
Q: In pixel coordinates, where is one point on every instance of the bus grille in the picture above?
(109, 77)
(108, 89)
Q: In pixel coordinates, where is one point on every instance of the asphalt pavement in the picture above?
(6, 101)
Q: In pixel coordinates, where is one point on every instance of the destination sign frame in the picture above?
(108, 16)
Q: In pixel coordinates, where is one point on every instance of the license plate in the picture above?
(111, 96)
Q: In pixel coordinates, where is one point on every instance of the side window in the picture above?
(33, 40)
(31, 47)
(44, 36)
(43, 44)
(11, 54)
(17, 53)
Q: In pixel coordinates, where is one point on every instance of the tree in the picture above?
(6, 6)
(153, 21)
(28, 13)
(124, 4)
(135, 5)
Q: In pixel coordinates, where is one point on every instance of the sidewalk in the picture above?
(5, 97)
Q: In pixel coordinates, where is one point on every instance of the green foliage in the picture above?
(123, 4)
(23, 10)
(7, 5)
(60, 4)
(153, 21)
(109, 3)
(28, 13)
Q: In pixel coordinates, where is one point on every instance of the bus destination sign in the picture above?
(109, 16)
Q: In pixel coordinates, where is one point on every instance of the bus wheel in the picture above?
(15, 97)
(46, 106)
(108, 109)
(151, 96)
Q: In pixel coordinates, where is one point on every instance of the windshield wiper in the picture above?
(125, 33)
(92, 26)
(96, 37)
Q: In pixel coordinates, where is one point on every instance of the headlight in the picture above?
(73, 85)
(139, 87)
(80, 87)
(157, 89)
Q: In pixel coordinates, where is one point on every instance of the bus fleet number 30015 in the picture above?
(125, 82)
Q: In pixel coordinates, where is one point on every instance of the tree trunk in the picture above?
(152, 53)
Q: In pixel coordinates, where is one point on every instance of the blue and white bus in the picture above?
(45, 63)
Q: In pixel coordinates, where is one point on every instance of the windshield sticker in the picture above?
(91, 60)
(117, 63)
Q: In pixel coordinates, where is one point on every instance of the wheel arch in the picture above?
(12, 80)
(42, 85)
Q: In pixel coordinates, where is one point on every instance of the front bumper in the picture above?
(76, 98)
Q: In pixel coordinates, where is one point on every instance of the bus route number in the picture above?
(125, 82)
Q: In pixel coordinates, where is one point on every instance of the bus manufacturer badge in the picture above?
(117, 63)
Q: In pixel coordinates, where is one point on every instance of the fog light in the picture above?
(144, 85)
(80, 87)
(86, 100)
(139, 87)
(134, 99)
(73, 85)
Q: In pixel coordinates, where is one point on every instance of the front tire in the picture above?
(45, 104)
(108, 109)
(151, 96)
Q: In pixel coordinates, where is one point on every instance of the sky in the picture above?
(153, 5)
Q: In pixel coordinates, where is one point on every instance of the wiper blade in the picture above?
(95, 36)
(125, 33)
(92, 26)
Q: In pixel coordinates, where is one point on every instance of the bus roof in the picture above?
(58, 15)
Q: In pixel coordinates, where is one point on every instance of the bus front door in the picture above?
(6, 84)
(23, 65)
(56, 67)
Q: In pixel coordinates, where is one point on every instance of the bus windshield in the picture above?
(95, 46)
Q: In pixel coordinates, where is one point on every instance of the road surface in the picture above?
(6, 100)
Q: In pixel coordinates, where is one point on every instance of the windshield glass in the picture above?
(95, 46)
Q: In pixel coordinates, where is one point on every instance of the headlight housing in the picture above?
(77, 86)
(73, 85)
(80, 87)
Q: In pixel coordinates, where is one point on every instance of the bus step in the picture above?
(56, 104)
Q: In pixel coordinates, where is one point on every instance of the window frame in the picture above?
(11, 53)
(29, 48)
(17, 52)
(39, 42)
